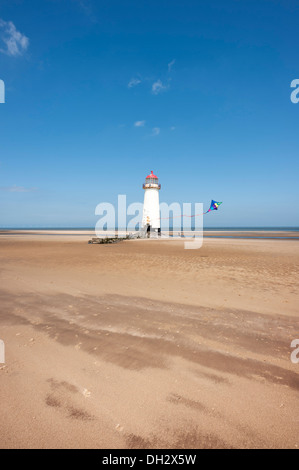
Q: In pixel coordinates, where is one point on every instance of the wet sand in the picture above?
(143, 344)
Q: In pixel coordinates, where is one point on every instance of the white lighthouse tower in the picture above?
(151, 211)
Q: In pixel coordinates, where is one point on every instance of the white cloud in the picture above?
(155, 131)
(139, 123)
(158, 87)
(172, 128)
(17, 189)
(170, 65)
(134, 82)
(15, 42)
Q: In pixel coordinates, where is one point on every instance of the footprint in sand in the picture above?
(67, 399)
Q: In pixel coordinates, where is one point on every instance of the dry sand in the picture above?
(143, 344)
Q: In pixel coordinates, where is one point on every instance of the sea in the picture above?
(257, 232)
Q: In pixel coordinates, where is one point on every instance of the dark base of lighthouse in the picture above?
(150, 230)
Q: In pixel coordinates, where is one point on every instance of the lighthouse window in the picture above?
(151, 181)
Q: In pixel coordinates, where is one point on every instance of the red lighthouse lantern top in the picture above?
(151, 181)
(152, 175)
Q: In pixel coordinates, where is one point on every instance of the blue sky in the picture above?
(98, 93)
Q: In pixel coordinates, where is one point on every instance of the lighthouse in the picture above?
(151, 211)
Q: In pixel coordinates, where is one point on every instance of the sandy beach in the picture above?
(142, 344)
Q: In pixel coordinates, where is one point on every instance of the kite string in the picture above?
(182, 215)
(214, 205)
